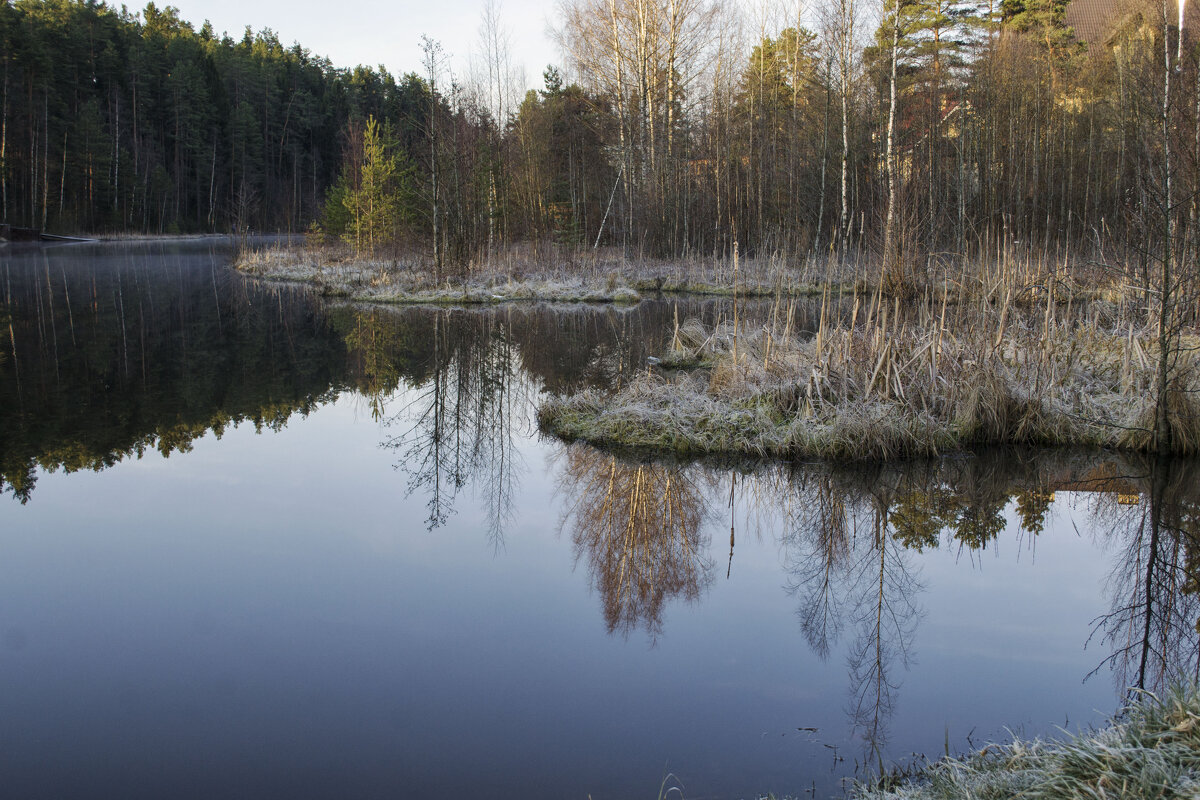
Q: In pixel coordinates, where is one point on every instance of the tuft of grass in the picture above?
(882, 381)
(1150, 751)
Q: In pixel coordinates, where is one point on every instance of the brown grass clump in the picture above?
(887, 380)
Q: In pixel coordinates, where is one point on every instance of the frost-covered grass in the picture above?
(560, 273)
(1151, 751)
(886, 383)
(394, 281)
(554, 275)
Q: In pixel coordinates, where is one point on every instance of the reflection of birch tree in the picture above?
(848, 564)
(639, 526)
(885, 614)
(818, 558)
(495, 422)
(458, 426)
(1155, 618)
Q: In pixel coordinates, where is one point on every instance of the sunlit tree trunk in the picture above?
(889, 228)
(1167, 329)
(845, 45)
(433, 60)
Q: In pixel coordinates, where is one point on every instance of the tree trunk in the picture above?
(1166, 323)
(889, 229)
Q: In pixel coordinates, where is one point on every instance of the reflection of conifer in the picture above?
(154, 360)
(374, 338)
(1032, 506)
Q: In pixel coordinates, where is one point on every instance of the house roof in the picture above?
(1095, 20)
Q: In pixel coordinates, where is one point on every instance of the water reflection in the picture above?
(1152, 629)
(466, 405)
(639, 527)
(113, 352)
(852, 540)
(456, 388)
(109, 353)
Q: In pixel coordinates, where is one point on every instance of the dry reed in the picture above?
(890, 380)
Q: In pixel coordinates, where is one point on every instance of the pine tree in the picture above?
(373, 203)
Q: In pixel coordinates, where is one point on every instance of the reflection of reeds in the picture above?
(894, 381)
(639, 526)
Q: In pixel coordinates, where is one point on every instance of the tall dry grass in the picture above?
(1011, 356)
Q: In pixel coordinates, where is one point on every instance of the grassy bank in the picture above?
(527, 274)
(892, 379)
(549, 272)
(1151, 751)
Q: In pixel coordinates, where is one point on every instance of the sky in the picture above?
(352, 32)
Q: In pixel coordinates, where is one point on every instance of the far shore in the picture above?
(573, 276)
(514, 276)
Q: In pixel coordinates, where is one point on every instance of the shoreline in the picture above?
(572, 277)
(881, 390)
(1150, 749)
(599, 280)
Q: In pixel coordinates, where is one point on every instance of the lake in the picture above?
(258, 543)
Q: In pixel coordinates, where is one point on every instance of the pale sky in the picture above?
(352, 32)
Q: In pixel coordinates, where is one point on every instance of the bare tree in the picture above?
(433, 62)
(645, 57)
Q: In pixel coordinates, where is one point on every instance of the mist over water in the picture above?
(255, 543)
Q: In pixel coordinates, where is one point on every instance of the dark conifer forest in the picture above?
(674, 128)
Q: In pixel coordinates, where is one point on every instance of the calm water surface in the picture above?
(254, 544)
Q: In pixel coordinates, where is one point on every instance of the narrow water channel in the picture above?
(255, 543)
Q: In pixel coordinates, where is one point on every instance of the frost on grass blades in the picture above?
(1150, 750)
(543, 274)
(883, 379)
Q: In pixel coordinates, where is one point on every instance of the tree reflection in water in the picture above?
(458, 386)
(115, 351)
(458, 425)
(640, 526)
(1150, 517)
(851, 538)
(885, 615)
(147, 348)
(848, 567)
